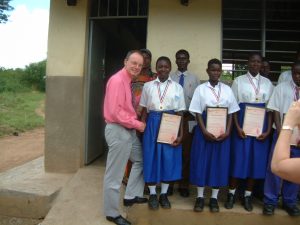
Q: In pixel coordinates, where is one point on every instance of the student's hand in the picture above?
(177, 141)
(142, 127)
(263, 136)
(222, 137)
(241, 133)
(292, 117)
(209, 136)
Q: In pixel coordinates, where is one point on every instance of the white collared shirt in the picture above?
(282, 97)
(204, 97)
(244, 91)
(285, 76)
(173, 99)
(190, 84)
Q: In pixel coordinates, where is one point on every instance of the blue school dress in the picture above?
(209, 160)
(249, 156)
(162, 162)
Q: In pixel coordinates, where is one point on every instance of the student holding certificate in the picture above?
(162, 161)
(250, 138)
(282, 98)
(210, 154)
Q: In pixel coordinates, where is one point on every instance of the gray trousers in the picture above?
(123, 145)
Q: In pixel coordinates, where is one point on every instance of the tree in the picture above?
(4, 8)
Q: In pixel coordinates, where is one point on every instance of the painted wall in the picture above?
(67, 38)
(196, 28)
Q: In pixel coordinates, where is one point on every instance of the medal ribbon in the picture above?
(161, 97)
(295, 91)
(253, 85)
(214, 92)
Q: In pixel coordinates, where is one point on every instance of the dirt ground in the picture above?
(17, 150)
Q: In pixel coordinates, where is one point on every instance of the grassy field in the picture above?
(18, 111)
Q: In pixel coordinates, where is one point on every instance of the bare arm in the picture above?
(282, 165)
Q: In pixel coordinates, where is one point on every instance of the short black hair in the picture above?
(296, 63)
(182, 51)
(253, 54)
(146, 51)
(163, 58)
(214, 61)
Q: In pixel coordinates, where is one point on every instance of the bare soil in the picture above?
(17, 150)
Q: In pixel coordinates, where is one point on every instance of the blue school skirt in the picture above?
(209, 160)
(249, 156)
(162, 162)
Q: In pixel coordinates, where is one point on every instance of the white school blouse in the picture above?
(204, 97)
(285, 76)
(282, 97)
(173, 99)
(244, 91)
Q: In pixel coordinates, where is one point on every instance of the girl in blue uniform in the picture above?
(162, 162)
(210, 154)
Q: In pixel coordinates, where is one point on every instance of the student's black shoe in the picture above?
(184, 192)
(230, 201)
(170, 190)
(153, 202)
(292, 210)
(213, 205)
(248, 203)
(119, 220)
(268, 209)
(138, 200)
(164, 201)
(199, 204)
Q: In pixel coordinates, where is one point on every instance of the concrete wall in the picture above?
(196, 28)
(67, 41)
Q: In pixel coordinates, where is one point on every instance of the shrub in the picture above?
(34, 75)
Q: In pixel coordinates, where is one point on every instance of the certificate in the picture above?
(216, 120)
(254, 120)
(169, 128)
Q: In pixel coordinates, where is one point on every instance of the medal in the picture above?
(160, 107)
(217, 96)
(256, 89)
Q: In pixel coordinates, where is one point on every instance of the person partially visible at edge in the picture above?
(189, 82)
(162, 162)
(265, 68)
(210, 154)
(287, 75)
(249, 154)
(123, 144)
(138, 82)
(285, 94)
(145, 75)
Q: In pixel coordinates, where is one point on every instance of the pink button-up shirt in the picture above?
(118, 102)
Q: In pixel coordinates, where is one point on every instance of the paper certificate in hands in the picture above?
(216, 120)
(169, 128)
(254, 120)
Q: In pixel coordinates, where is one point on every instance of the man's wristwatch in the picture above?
(287, 127)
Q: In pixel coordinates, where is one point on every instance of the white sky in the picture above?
(23, 39)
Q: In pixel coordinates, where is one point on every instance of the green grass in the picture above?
(18, 111)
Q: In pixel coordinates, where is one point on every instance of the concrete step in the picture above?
(80, 203)
(28, 192)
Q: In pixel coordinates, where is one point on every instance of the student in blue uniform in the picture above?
(162, 162)
(283, 96)
(210, 155)
(249, 154)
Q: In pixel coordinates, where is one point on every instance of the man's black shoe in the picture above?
(268, 209)
(138, 200)
(119, 220)
(153, 202)
(164, 201)
(292, 210)
(213, 205)
(230, 201)
(248, 203)
(199, 204)
(184, 192)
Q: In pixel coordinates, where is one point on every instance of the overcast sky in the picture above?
(23, 39)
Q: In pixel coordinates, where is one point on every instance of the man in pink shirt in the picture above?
(123, 144)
